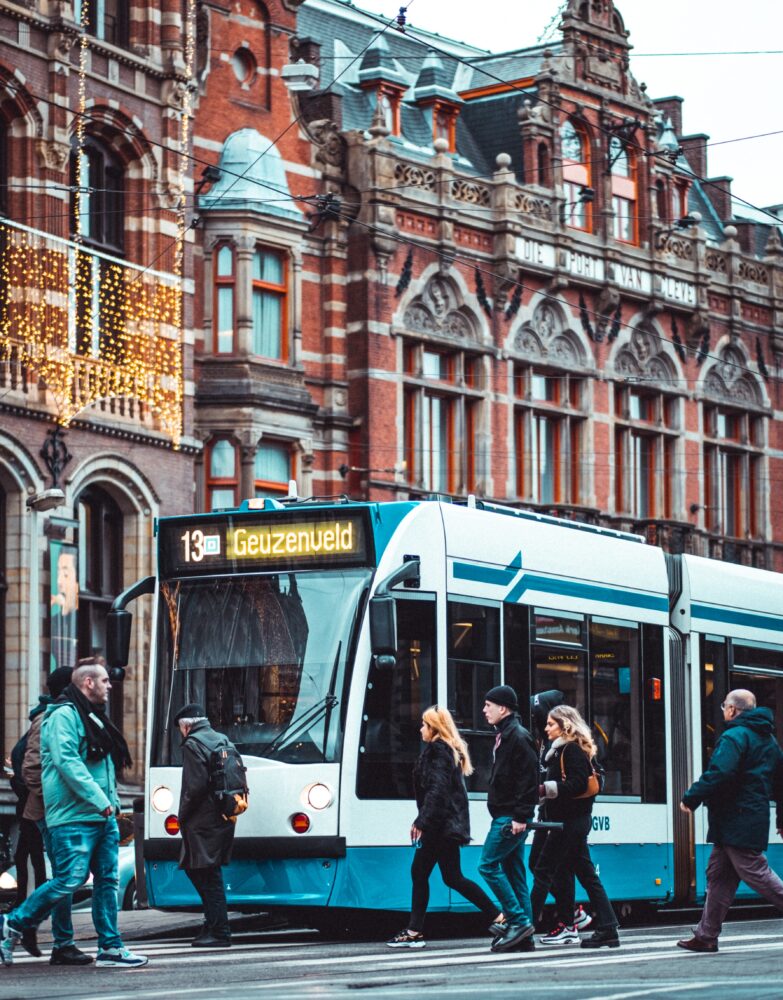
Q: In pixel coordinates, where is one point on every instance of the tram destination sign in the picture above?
(242, 543)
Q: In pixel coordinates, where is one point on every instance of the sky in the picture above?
(726, 96)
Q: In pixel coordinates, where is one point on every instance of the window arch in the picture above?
(575, 151)
(222, 474)
(624, 194)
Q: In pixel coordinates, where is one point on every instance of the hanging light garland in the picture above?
(95, 329)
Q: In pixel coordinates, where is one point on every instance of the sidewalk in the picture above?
(144, 925)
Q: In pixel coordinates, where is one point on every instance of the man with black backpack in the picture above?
(214, 793)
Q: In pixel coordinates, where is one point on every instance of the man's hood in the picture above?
(541, 705)
(760, 720)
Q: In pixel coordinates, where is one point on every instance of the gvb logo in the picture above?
(211, 545)
(601, 823)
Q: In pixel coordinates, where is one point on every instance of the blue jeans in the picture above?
(62, 925)
(503, 869)
(77, 850)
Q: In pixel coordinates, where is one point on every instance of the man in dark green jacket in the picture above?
(745, 772)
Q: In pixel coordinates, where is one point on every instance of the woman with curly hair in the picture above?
(569, 800)
(443, 823)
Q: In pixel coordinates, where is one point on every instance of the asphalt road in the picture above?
(300, 964)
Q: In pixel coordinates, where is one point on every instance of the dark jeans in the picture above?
(503, 869)
(565, 855)
(727, 866)
(209, 885)
(29, 845)
(444, 853)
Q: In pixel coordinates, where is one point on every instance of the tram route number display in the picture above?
(234, 543)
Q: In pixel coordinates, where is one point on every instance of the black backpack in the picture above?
(16, 780)
(227, 783)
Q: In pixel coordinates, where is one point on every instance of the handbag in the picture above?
(593, 782)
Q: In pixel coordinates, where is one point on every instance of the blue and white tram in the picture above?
(315, 634)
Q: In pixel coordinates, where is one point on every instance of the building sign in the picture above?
(678, 291)
(535, 253)
(63, 604)
(582, 265)
(635, 279)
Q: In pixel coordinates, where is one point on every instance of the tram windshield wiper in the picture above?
(296, 727)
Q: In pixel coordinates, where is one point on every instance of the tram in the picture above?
(315, 633)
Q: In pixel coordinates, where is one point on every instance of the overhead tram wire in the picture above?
(598, 128)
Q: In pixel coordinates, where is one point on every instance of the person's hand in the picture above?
(108, 811)
(415, 833)
(684, 808)
(517, 828)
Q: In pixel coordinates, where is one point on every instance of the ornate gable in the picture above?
(729, 380)
(545, 339)
(439, 311)
(644, 357)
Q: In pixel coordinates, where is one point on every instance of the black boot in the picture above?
(604, 937)
(69, 955)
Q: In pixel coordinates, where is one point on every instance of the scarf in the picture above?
(103, 737)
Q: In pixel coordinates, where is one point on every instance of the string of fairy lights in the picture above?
(91, 327)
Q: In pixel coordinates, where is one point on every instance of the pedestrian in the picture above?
(442, 825)
(566, 854)
(511, 800)
(540, 706)
(80, 750)
(64, 950)
(744, 774)
(207, 836)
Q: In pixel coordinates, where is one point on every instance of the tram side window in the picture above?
(473, 668)
(394, 702)
(616, 676)
(516, 655)
(758, 666)
(654, 720)
(557, 655)
(714, 664)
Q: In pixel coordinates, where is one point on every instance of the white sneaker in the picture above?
(120, 958)
(582, 918)
(560, 935)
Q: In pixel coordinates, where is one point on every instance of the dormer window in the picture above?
(389, 102)
(575, 151)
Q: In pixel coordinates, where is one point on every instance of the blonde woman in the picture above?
(566, 853)
(442, 825)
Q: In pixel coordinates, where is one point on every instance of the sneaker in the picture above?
(121, 958)
(69, 955)
(9, 938)
(582, 918)
(407, 939)
(604, 937)
(560, 935)
(498, 927)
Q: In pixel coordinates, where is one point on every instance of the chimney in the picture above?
(671, 108)
(718, 190)
(309, 50)
(746, 236)
(695, 149)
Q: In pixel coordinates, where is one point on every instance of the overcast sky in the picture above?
(726, 96)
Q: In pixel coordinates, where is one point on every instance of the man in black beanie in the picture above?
(207, 836)
(511, 800)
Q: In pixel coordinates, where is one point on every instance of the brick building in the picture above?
(439, 270)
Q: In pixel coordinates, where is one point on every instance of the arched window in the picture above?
(623, 191)
(100, 177)
(646, 432)
(272, 468)
(442, 395)
(575, 151)
(733, 469)
(222, 474)
(100, 576)
(107, 20)
(224, 299)
(662, 200)
(269, 338)
(543, 164)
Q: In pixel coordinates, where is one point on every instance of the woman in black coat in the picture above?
(568, 771)
(443, 823)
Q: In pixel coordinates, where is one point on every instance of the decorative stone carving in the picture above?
(52, 155)
(473, 194)
(730, 381)
(715, 261)
(534, 205)
(545, 337)
(59, 45)
(331, 145)
(751, 271)
(439, 311)
(408, 175)
(643, 357)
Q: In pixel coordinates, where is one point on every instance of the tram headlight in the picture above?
(162, 799)
(318, 796)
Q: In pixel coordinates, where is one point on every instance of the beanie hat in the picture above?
(503, 695)
(192, 711)
(58, 680)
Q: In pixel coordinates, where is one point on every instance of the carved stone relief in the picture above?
(730, 380)
(439, 311)
(643, 357)
(545, 337)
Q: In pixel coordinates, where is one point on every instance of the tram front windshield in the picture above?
(265, 655)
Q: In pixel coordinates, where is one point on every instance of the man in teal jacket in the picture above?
(79, 749)
(745, 772)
